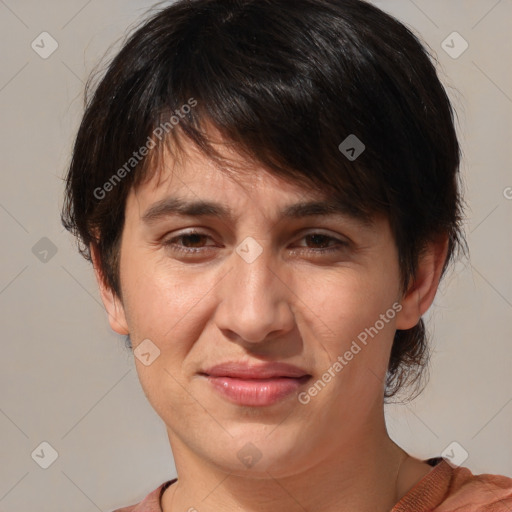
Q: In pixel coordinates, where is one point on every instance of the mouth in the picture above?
(250, 385)
(245, 370)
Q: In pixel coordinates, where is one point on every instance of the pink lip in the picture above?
(255, 385)
(244, 370)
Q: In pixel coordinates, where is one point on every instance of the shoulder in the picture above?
(447, 488)
(151, 503)
(483, 493)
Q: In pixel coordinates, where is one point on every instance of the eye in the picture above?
(194, 238)
(323, 240)
(193, 242)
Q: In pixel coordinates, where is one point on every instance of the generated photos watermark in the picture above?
(137, 156)
(305, 396)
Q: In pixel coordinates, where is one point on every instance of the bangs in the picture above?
(275, 102)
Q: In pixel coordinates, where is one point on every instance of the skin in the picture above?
(332, 454)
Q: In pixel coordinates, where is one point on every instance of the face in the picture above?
(319, 292)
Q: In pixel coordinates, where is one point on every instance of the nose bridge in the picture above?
(253, 271)
(254, 301)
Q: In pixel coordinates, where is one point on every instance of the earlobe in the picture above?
(422, 290)
(112, 303)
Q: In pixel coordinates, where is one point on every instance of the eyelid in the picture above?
(335, 243)
(301, 233)
(322, 231)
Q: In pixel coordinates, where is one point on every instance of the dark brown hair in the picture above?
(286, 82)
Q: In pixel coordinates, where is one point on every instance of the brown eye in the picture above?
(191, 242)
(319, 239)
(327, 243)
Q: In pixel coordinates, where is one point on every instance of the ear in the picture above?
(112, 303)
(421, 292)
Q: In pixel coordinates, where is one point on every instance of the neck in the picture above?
(361, 475)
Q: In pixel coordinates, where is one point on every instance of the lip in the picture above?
(255, 385)
(242, 370)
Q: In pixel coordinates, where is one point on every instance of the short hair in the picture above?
(286, 83)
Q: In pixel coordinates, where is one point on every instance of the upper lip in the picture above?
(255, 371)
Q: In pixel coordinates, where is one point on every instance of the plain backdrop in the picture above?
(67, 380)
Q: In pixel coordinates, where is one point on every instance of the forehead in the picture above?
(184, 181)
(238, 180)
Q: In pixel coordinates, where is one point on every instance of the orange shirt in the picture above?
(449, 489)
(444, 489)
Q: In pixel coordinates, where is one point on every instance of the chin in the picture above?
(257, 453)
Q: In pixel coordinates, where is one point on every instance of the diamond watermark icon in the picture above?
(455, 454)
(351, 147)
(454, 45)
(45, 455)
(249, 249)
(249, 455)
(44, 250)
(146, 352)
(44, 45)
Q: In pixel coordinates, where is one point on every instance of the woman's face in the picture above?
(256, 288)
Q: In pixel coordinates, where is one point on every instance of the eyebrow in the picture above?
(183, 207)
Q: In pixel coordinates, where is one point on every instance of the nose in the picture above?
(256, 298)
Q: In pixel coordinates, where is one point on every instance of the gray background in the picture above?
(66, 379)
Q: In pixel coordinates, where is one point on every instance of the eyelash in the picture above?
(170, 243)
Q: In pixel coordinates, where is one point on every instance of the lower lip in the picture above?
(256, 392)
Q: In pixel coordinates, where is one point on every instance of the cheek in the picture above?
(355, 311)
(158, 297)
(163, 305)
(350, 300)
